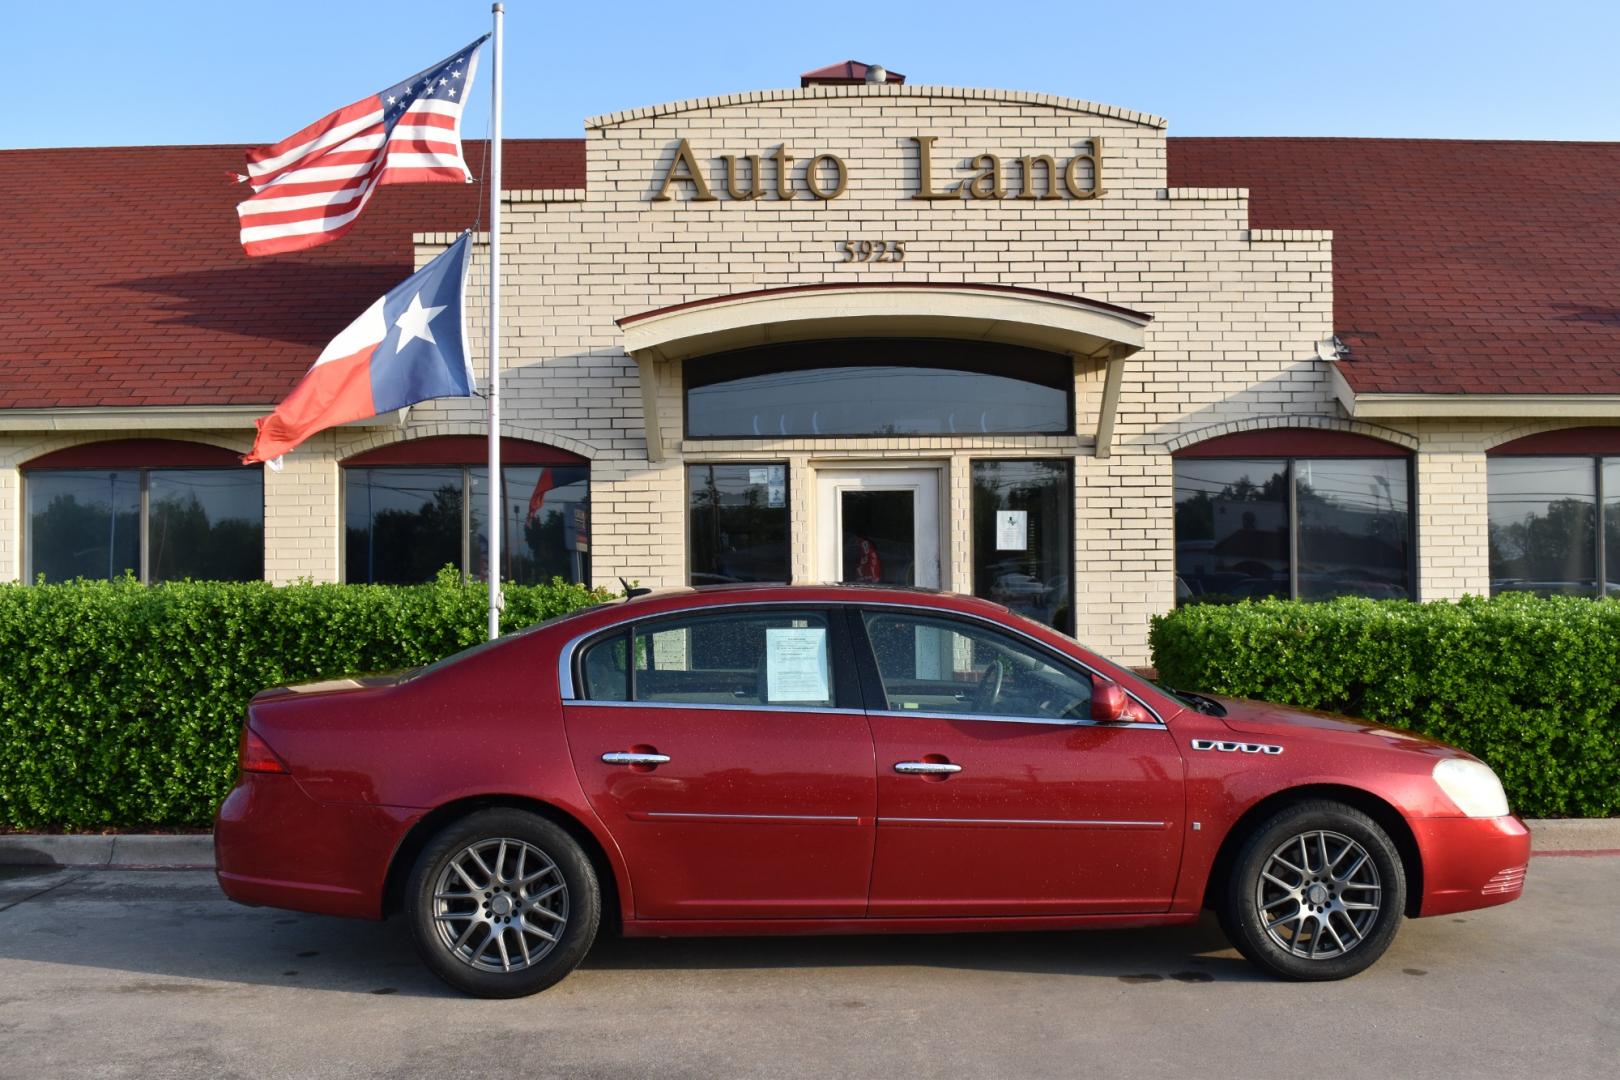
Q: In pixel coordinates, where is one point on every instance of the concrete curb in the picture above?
(163, 851)
(128, 850)
(1574, 834)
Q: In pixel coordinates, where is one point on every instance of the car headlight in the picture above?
(1472, 786)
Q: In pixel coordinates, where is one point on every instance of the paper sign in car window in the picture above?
(796, 665)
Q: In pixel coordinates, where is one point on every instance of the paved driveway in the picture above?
(153, 974)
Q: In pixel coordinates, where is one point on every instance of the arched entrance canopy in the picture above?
(1010, 315)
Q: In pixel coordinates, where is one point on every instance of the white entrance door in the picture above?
(878, 526)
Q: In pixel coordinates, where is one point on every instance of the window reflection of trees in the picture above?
(205, 524)
(1351, 520)
(1544, 524)
(735, 533)
(405, 524)
(182, 543)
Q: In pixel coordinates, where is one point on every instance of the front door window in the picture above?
(879, 527)
(937, 665)
(878, 534)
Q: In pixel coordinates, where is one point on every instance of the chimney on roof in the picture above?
(850, 73)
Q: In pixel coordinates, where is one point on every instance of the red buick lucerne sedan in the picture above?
(831, 760)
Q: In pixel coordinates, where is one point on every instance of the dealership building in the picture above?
(996, 342)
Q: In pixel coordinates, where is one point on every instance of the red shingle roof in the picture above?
(124, 283)
(1459, 267)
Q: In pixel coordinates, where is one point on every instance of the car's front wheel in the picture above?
(1316, 892)
(503, 903)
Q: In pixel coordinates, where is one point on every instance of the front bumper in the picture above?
(275, 846)
(1471, 862)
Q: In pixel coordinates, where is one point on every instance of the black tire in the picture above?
(1325, 932)
(473, 919)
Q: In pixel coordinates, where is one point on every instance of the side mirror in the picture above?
(1108, 702)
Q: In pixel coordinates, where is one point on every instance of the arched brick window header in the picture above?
(1293, 442)
(1580, 440)
(462, 450)
(139, 454)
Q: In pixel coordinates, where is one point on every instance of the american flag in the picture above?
(309, 187)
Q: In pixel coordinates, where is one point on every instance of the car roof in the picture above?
(688, 598)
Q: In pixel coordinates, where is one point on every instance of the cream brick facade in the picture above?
(1237, 314)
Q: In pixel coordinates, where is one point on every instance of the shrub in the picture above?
(120, 703)
(1530, 685)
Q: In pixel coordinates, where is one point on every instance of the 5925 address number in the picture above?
(873, 250)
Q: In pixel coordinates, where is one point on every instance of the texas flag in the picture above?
(409, 346)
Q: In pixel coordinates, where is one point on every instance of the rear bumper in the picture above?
(275, 846)
(1471, 862)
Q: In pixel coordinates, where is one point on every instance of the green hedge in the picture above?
(1530, 685)
(120, 703)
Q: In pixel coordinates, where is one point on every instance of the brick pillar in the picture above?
(301, 508)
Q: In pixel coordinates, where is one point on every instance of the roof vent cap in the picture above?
(851, 73)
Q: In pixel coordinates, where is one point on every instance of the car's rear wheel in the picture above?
(503, 903)
(1316, 892)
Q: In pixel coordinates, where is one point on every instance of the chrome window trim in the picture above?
(565, 657)
(716, 706)
(988, 718)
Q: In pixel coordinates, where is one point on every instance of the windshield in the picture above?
(1208, 706)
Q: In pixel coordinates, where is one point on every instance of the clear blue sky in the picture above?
(131, 73)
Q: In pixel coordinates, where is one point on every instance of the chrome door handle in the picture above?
(926, 767)
(620, 757)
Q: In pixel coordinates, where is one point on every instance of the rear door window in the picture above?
(736, 657)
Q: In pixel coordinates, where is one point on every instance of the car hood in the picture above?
(1263, 718)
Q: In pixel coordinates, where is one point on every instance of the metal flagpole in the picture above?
(495, 518)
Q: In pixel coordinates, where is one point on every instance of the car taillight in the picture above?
(255, 754)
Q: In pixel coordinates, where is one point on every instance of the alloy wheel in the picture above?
(500, 905)
(1318, 895)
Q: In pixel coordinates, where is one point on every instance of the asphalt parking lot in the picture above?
(154, 974)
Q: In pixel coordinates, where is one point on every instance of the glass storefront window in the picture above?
(545, 525)
(206, 524)
(1611, 526)
(879, 387)
(1544, 523)
(1231, 529)
(737, 523)
(1306, 528)
(403, 524)
(1023, 537)
(84, 524)
(1355, 528)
